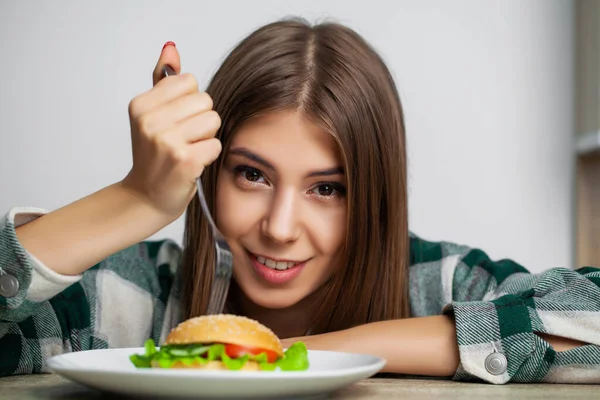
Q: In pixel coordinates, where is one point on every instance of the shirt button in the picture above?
(9, 285)
(495, 363)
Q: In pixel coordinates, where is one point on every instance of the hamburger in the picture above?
(222, 342)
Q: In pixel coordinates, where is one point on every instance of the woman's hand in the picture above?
(172, 133)
(172, 130)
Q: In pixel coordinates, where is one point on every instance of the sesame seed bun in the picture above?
(225, 328)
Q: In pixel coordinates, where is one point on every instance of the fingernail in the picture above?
(169, 43)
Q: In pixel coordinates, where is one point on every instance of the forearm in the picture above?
(414, 346)
(75, 237)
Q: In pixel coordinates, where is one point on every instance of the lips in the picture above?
(276, 272)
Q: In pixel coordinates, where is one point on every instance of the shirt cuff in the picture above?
(45, 283)
(497, 343)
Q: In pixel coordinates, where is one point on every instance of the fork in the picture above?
(224, 258)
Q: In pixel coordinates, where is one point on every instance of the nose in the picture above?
(281, 223)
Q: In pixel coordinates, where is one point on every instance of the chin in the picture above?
(276, 301)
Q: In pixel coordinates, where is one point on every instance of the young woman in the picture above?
(300, 143)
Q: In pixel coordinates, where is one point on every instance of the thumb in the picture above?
(168, 56)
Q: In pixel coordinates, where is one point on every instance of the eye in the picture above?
(252, 175)
(326, 189)
(329, 189)
(249, 174)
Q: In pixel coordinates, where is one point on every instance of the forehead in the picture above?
(287, 135)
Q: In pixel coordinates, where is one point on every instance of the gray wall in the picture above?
(487, 88)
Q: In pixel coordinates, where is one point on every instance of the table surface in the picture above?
(51, 386)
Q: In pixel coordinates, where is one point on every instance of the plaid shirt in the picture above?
(134, 294)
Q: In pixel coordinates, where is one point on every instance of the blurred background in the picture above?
(501, 111)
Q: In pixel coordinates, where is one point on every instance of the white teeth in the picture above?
(278, 265)
(281, 265)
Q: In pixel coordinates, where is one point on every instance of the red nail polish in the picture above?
(169, 43)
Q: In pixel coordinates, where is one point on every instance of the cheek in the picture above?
(328, 230)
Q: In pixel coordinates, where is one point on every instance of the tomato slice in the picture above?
(235, 351)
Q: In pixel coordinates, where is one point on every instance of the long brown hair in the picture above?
(331, 75)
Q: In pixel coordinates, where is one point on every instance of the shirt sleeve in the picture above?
(499, 308)
(43, 313)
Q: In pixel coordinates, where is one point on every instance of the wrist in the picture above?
(141, 198)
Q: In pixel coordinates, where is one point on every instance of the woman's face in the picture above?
(281, 204)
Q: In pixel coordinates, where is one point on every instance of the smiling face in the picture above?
(270, 208)
(282, 207)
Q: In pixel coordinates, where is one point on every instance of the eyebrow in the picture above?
(244, 152)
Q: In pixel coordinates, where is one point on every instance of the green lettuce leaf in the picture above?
(150, 348)
(140, 361)
(143, 360)
(234, 363)
(294, 359)
(215, 351)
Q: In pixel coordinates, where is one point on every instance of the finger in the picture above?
(198, 127)
(205, 153)
(164, 92)
(164, 117)
(168, 56)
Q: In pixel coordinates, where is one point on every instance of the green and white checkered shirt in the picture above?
(134, 294)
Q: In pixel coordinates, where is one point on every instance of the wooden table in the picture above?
(50, 386)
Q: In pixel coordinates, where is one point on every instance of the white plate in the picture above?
(110, 370)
